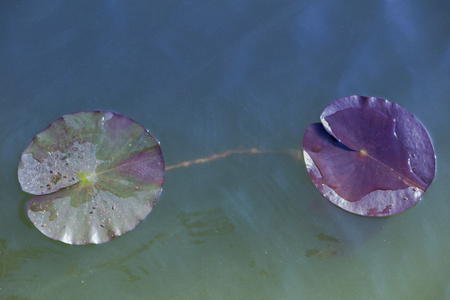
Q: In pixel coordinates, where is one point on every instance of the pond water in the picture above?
(206, 77)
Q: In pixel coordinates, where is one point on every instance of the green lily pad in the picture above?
(96, 175)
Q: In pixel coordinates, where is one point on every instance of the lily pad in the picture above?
(97, 175)
(369, 156)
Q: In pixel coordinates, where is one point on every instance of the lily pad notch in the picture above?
(96, 175)
(369, 156)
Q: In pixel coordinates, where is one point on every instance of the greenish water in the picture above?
(208, 77)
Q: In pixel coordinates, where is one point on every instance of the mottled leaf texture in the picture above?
(369, 156)
(96, 175)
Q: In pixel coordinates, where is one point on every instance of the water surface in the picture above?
(204, 78)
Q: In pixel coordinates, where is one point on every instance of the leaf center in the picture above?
(87, 176)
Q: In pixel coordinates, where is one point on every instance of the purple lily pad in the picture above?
(96, 175)
(369, 156)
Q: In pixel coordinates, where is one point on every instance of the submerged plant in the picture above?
(369, 156)
(96, 175)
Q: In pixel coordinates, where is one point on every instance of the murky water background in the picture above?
(206, 77)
